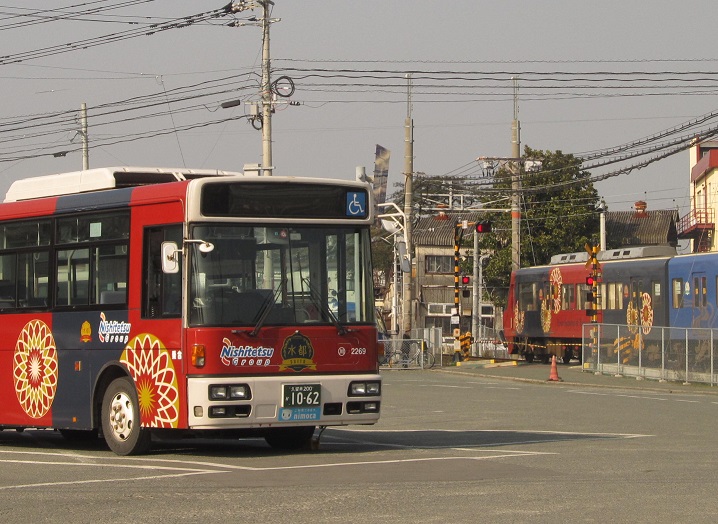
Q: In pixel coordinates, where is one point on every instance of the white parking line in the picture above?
(174, 468)
(176, 471)
(97, 481)
(640, 397)
(615, 395)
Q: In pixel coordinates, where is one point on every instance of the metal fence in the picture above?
(409, 353)
(676, 354)
(490, 345)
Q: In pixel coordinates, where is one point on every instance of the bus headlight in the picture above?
(373, 388)
(239, 392)
(218, 392)
(364, 389)
(229, 392)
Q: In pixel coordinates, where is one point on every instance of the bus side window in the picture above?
(7, 282)
(161, 293)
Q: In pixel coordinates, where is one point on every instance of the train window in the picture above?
(657, 295)
(528, 296)
(609, 297)
(677, 293)
(618, 295)
(700, 292)
(635, 290)
(568, 298)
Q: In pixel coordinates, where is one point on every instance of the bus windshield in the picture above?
(263, 276)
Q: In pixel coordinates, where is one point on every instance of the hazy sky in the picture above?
(336, 127)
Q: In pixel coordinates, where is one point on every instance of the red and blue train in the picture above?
(641, 287)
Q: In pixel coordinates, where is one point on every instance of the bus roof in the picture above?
(103, 178)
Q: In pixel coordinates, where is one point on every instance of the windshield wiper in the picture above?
(324, 308)
(267, 306)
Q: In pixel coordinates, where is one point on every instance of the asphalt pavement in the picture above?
(572, 373)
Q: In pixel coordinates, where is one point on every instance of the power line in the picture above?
(29, 16)
(175, 23)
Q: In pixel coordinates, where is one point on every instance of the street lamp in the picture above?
(394, 223)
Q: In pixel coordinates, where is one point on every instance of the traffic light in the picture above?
(483, 227)
(465, 280)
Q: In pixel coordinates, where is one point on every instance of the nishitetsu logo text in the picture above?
(244, 355)
(113, 330)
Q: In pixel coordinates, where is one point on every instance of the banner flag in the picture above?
(381, 173)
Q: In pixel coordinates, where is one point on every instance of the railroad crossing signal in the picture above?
(465, 281)
(483, 226)
(592, 280)
(465, 340)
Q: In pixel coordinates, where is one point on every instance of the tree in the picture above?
(382, 254)
(558, 215)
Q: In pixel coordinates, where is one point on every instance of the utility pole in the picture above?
(476, 293)
(408, 197)
(267, 166)
(83, 134)
(266, 88)
(516, 184)
(602, 231)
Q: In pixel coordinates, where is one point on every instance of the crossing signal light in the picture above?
(483, 227)
(465, 280)
(590, 281)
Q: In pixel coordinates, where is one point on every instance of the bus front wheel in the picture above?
(121, 419)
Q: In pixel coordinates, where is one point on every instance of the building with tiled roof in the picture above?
(641, 227)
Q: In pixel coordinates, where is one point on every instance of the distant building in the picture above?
(641, 227)
(698, 225)
(433, 241)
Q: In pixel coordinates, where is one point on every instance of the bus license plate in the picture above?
(302, 395)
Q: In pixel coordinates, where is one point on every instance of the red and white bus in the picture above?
(139, 300)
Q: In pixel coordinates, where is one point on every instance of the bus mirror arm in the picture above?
(204, 246)
(171, 252)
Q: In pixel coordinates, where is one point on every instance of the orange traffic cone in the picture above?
(553, 377)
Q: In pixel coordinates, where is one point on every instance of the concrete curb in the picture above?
(590, 380)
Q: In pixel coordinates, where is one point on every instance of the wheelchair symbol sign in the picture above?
(356, 204)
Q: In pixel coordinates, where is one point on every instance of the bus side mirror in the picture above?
(170, 257)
